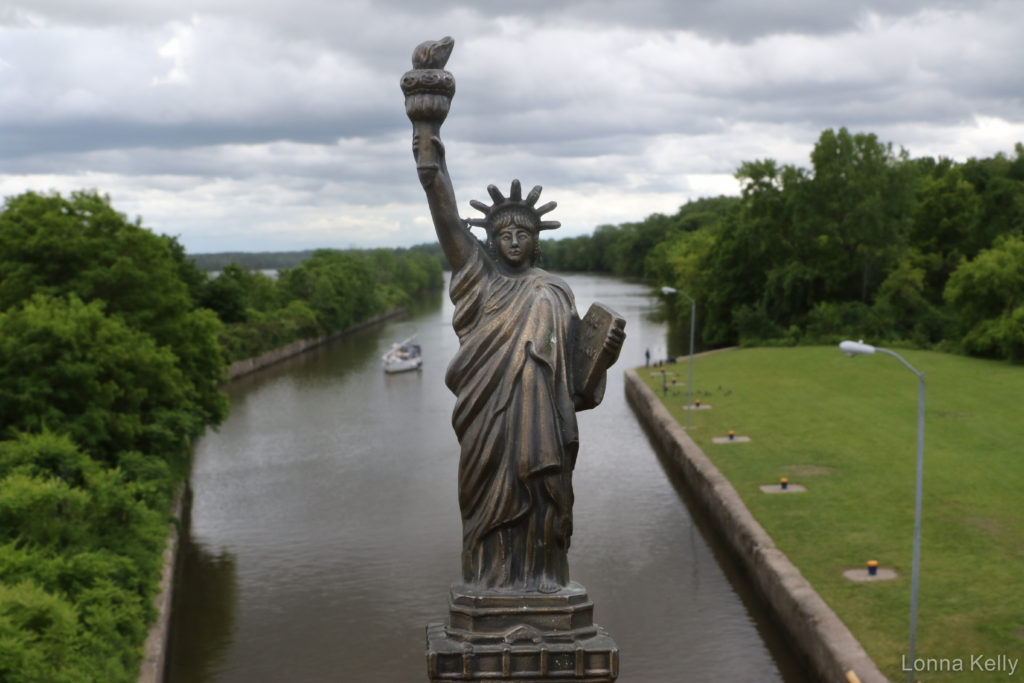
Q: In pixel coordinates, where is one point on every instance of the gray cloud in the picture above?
(282, 123)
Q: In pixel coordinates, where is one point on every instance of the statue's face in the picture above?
(516, 244)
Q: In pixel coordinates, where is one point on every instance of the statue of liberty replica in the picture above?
(526, 363)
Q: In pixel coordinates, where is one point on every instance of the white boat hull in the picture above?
(394, 366)
(403, 357)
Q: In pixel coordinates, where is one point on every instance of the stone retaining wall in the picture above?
(813, 628)
(152, 669)
(247, 365)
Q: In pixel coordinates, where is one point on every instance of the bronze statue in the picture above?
(518, 375)
(526, 363)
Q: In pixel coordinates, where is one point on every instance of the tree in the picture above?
(945, 226)
(903, 305)
(67, 367)
(751, 242)
(338, 286)
(40, 637)
(999, 182)
(80, 555)
(681, 263)
(226, 294)
(856, 209)
(987, 296)
(59, 246)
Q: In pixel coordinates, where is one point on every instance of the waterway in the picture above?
(325, 528)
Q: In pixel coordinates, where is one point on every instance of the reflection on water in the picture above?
(325, 525)
(204, 614)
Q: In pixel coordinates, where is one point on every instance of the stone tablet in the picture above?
(591, 360)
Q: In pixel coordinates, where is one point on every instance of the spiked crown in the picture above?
(514, 204)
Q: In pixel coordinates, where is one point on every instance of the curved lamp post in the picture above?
(852, 348)
(693, 322)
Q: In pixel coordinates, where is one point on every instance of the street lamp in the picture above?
(693, 322)
(852, 348)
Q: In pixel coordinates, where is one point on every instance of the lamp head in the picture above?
(855, 348)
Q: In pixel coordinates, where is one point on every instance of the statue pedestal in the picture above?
(524, 637)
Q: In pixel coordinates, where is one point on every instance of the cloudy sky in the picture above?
(270, 125)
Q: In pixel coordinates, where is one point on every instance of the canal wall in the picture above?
(155, 650)
(248, 365)
(813, 628)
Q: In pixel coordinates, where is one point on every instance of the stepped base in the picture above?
(522, 637)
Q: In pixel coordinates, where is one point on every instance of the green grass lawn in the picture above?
(846, 428)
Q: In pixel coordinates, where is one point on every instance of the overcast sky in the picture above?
(269, 125)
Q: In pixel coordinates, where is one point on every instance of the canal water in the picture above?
(325, 528)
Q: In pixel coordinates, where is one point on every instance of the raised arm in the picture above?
(428, 92)
(432, 168)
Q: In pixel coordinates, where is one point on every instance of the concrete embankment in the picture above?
(813, 628)
(155, 654)
(155, 657)
(247, 365)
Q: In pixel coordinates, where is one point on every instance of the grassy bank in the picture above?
(846, 429)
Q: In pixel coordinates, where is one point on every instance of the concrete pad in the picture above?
(777, 488)
(702, 406)
(735, 439)
(862, 576)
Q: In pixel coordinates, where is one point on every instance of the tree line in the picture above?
(258, 260)
(113, 348)
(866, 243)
(329, 291)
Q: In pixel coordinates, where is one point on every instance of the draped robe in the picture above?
(516, 423)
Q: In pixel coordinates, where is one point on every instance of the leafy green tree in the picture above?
(59, 246)
(42, 512)
(802, 238)
(602, 248)
(401, 273)
(93, 511)
(47, 455)
(856, 208)
(750, 244)
(830, 321)
(635, 241)
(80, 556)
(864, 240)
(67, 367)
(340, 287)
(945, 227)
(250, 261)
(681, 262)
(904, 308)
(195, 280)
(226, 294)
(999, 182)
(987, 296)
(40, 637)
